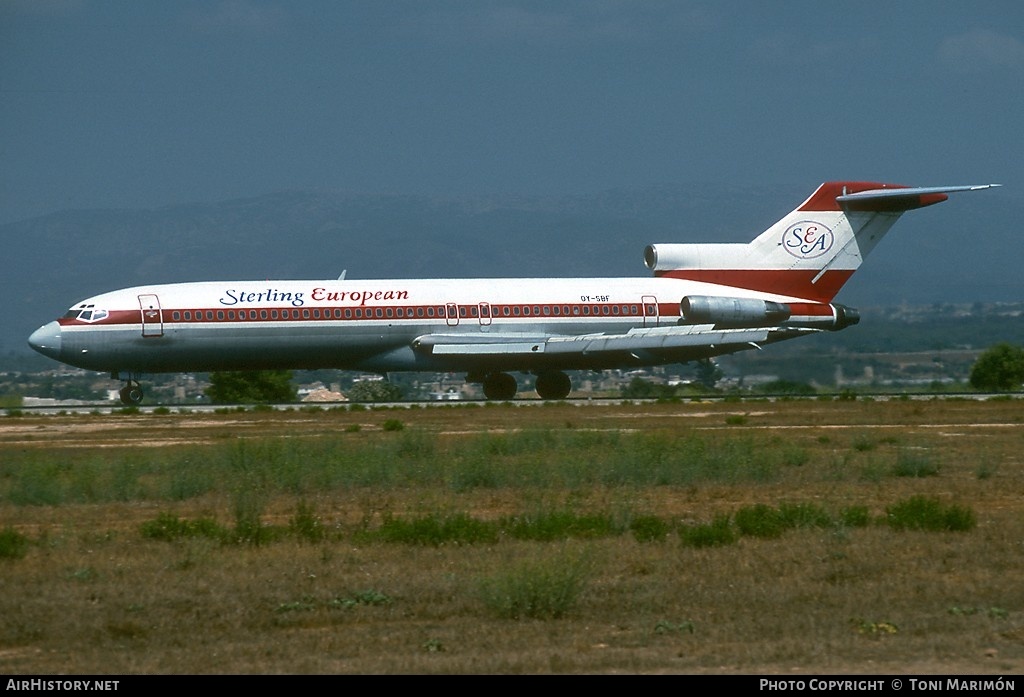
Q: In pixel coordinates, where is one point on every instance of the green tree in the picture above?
(374, 391)
(638, 388)
(251, 387)
(999, 368)
(707, 373)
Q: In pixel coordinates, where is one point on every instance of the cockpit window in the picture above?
(86, 313)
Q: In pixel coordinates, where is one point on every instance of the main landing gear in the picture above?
(551, 384)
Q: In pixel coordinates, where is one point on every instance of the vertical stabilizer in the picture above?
(812, 251)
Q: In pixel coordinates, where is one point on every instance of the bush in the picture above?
(855, 517)
(306, 525)
(168, 527)
(436, 530)
(804, 515)
(559, 525)
(910, 464)
(649, 528)
(788, 387)
(760, 520)
(717, 533)
(924, 513)
(13, 545)
(538, 589)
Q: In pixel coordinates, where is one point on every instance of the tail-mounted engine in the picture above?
(732, 312)
(750, 312)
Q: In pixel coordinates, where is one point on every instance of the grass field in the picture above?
(792, 537)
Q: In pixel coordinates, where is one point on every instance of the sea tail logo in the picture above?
(807, 239)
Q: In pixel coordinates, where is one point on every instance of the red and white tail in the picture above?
(812, 251)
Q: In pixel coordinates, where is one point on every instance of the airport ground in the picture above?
(561, 538)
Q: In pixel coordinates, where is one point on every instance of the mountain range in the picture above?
(965, 250)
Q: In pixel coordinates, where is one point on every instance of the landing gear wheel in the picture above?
(500, 386)
(553, 385)
(131, 394)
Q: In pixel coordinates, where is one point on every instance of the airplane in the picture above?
(702, 300)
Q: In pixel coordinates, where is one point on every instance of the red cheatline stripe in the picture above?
(390, 313)
(793, 282)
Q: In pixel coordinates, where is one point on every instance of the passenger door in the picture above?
(152, 315)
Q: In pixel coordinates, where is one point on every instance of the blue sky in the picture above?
(145, 103)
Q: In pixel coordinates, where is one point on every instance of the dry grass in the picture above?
(93, 595)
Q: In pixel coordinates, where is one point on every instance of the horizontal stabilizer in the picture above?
(902, 198)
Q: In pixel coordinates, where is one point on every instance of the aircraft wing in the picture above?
(588, 345)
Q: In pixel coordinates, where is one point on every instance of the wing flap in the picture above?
(679, 336)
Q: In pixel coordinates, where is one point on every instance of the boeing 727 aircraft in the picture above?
(702, 300)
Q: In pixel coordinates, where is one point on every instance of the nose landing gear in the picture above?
(131, 393)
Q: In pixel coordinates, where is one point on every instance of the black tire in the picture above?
(131, 394)
(553, 385)
(500, 386)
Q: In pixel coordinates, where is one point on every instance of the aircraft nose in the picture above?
(46, 340)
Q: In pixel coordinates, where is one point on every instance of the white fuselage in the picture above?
(364, 325)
